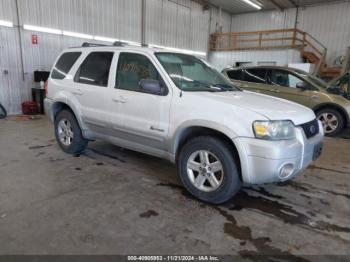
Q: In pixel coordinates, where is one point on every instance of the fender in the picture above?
(335, 106)
(174, 139)
(71, 101)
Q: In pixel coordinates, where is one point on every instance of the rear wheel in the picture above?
(208, 170)
(68, 133)
(332, 121)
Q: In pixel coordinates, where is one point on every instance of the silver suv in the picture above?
(176, 106)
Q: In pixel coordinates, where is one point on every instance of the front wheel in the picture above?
(208, 170)
(68, 133)
(332, 121)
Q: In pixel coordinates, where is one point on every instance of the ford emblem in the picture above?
(312, 129)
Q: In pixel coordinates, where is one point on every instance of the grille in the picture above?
(311, 129)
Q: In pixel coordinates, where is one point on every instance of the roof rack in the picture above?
(119, 43)
(86, 44)
(116, 43)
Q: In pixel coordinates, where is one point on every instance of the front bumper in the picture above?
(272, 161)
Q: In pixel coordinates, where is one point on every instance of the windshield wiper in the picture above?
(224, 87)
(212, 86)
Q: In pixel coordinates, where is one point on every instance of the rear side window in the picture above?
(234, 74)
(255, 75)
(95, 69)
(64, 64)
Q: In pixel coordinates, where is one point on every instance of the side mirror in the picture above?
(303, 85)
(151, 86)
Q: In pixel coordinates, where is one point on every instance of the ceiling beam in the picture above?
(293, 3)
(205, 4)
(278, 6)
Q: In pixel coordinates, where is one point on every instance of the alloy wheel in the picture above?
(65, 132)
(329, 121)
(205, 170)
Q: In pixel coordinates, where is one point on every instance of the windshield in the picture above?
(313, 79)
(192, 74)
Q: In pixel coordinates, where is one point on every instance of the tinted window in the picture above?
(284, 78)
(234, 74)
(132, 68)
(64, 64)
(255, 75)
(95, 69)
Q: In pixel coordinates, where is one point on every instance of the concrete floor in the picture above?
(114, 201)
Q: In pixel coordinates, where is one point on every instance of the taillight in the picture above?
(46, 86)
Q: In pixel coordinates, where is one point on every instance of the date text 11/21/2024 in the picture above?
(173, 258)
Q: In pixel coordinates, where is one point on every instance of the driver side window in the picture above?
(131, 69)
(284, 78)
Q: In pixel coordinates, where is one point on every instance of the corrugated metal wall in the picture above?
(175, 23)
(119, 19)
(267, 20)
(329, 23)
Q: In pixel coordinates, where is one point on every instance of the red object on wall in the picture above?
(29, 108)
(34, 39)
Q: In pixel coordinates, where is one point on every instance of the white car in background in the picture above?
(175, 106)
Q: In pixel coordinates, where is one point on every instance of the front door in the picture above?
(283, 84)
(140, 119)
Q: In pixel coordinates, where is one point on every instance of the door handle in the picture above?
(77, 92)
(275, 90)
(119, 99)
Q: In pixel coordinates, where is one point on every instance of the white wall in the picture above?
(329, 23)
(175, 23)
(223, 59)
(182, 24)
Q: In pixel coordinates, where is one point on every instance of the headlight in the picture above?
(274, 130)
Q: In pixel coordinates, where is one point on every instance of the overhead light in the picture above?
(251, 3)
(79, 35)
(6, 23)
(186, 51)
(42, 29)
(105, 39)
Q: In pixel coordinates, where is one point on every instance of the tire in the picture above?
(3, 112)
(325, 116)
(67, 126)
(227, 182)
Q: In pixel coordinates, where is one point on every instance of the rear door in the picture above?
(90, 88)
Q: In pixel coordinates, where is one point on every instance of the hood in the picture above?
(267, 106)
(337, 79)
(340, 86)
